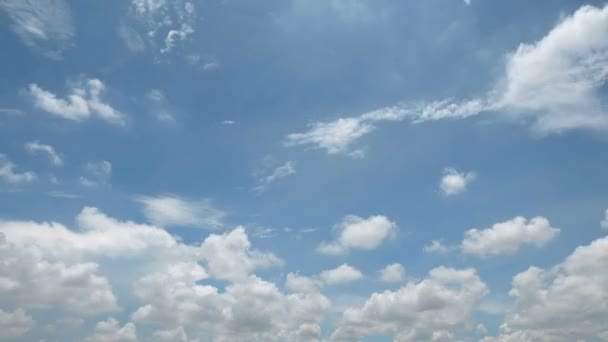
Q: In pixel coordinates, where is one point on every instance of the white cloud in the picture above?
(358, 233)
(567, 302)
(43, 284)
(337, 137)
(301, 284)
(110, 331)
(604, 222)
(467, 2)
(436, 246)
(419, 311)
(83, 100)
(166, 22)
(160, 104)
(172, 210)
(14, 324)
(45, 25)
(173, 335)
(552, 83)
(507, 237)
(392, 273)
(35, 147)
(229, 256)
(252, 310)
(8, 173)
(98, 235)
(342, 274)
(454, 182)
(280, 172)
(98, 172)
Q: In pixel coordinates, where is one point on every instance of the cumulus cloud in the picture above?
(392, 273)
(302, 284)
(83, 101)
(14, 324)
(507, 237)
(110, 331)
(277, 174)
(36, 147)
(355, 232)
(173, 210)
(44, 25)
(567, 302)
(43, 284)
(454, 182)
(8, 173)
(419, 311)
(229, 256)
(436, 246)
(342, 274)
(337, 137)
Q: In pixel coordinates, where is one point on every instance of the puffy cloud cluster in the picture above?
(567, 302)
(419, 311)
(454, 182)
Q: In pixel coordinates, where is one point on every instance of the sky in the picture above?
(301, 170)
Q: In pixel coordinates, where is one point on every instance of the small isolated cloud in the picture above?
(36, 147)
(44, 25)
(467, 2)
(159, 105)
(604, 222)
(131, 39)
(355, 232)
(8, 173)
(436, 246)
(392, 273)
(337, 137)
(173, 210)
(228, 122)
(83, 101)
(454, 182)
(277, 174)
(211, 66)
(97, 173)
(342, 274)
(507, 237)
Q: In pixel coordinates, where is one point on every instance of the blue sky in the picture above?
(303, 170)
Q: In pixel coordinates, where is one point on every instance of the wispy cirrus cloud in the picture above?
(35, 147)
(44, 25)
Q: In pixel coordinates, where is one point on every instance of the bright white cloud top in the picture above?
(358, 233)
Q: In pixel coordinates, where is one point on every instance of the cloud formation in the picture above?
(83, 101)
(355, 232)
(507, 237)
(454, 182)
(172, 210)
(44, 25)
(36, 147)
